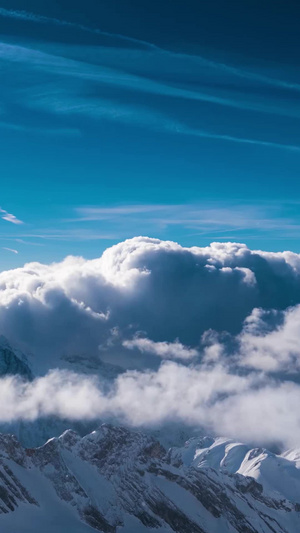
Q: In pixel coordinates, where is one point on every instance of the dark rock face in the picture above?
(12, 492)
(114, 473)
(11, 363)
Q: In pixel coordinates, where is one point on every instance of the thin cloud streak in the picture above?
(214, 218)
(40, 19)
(69, 235)
(21, 241)
(230, 138)
(63, 103)
(60, 65)
(10, 250)
(23, 128)
(9, 217)
(104, 213)
(142, 116)
(32, 17)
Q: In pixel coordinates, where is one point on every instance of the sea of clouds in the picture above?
(208, 337)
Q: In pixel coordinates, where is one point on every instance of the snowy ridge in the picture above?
(279, 474)
(114, 479)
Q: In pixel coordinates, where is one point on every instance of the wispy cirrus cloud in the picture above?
(141, 116)
(104, 213)
(22, 128)
(10, 250)
(211, 219)
(9, 217)
(66, 234)
(29, 243)
(200, 60)
(41, 19)
(66, 100)
(110, 83)
(59, 63)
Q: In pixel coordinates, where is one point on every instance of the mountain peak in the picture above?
(115, 479)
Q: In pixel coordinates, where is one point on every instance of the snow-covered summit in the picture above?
(279, 474)
(118, 480)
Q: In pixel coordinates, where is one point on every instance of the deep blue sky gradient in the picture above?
(177, 120)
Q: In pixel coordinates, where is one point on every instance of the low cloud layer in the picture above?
(207, 336)
(253, 407)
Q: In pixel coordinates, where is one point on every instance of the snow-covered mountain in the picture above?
(34, 433)
(118, 480)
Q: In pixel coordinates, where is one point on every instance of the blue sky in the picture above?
(178, 120)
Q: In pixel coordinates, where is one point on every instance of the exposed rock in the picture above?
(113, 473)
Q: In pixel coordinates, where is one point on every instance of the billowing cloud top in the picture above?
(143, 286)
(209, 335)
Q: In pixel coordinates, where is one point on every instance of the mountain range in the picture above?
(116, 479)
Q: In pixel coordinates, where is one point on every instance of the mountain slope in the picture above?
(116, 480)
(12, 362)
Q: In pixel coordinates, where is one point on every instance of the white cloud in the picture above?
(159, 288)
(165, 350)
(229, 314)
(10, 250)
(249, 407)
(274, 350)
(9, 217)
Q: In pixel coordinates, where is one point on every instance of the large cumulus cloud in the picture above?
(144, 287)
(206, 336)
